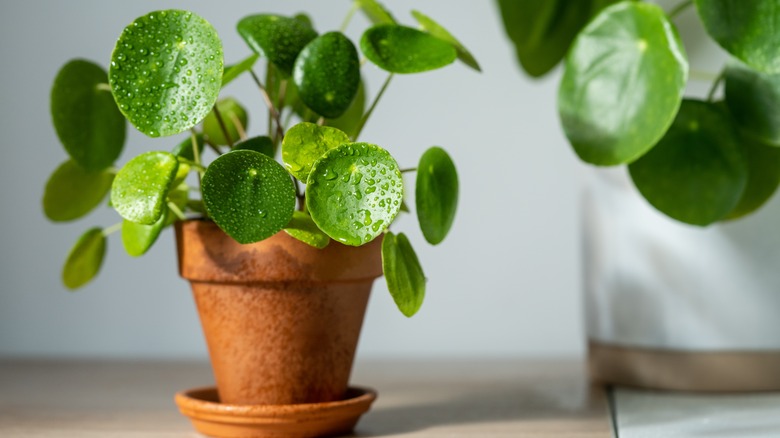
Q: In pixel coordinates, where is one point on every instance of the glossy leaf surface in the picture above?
(350, 120)
(85, 258)
(403, 273)
(71, 192)
(235, 118)
(622, 84)
(754, 101)
(249, 195)
(137, 238)
(85, 116)
(436, 194)
(303, 228)
(279, 39)
(763, 163)
(305, 143)
(166, 71)
(140, 188)
(437, 30)
(261, 143)
(401, 49)
(234, 70)
(354, 192)
(375, 12)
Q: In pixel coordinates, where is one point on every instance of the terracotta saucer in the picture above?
(212, 418)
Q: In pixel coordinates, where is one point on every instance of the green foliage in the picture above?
(141, 186)
(437, 30)
(404, 275)
(436, 194)
(303, 228)
(138, 238)
(72, 192)
(262, 144)
(276, 38)
(349, 122)
(305, 143)
(763, 176)
(375, 12)
(754, 100)
(401, 49)
(233, 71)
(84, 261)
(234, 117)
(185, 150)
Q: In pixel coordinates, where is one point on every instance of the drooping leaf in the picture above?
(748, 29)
(85, 116)
(249, 195)
(375, 12)
(697, 172)
(754, 101)
(234, 70)
(166, 71)
(354, 192)
(403, 273)
(71, 192)
(305, 143)
(763, 176)
(279, 39)
(139, 189)
(350, 120)
(137, 238)
(401, 49)
(327, 74)
(437, 30)
(623, 84)
(85, 258)
(261, 143)
(235, 118)
(303, 228)
(436, 194)
(184, 149)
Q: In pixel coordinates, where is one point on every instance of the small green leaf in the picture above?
(85, 116)
(403, 273)
(623, 83)
(139, 189)
(305, 143)
(401, 49)
(304, 19)
(137, 238)
(279, 39)
(262, 144)
(72, 192)
(350, 120)
(233, 115)
(249, 195)
(181, 174)
(184, 149)
(697, 172)
(166, 71)
(327, 73)
(754, 101)
(354, 192)
(303, 228)
(440, 32)
(84, 261)
(375, 12)
(436, 194)
(233, 71)
(748, 29)
(763, 177)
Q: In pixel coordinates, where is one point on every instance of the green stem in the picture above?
(112, 229)
(680, 8)
(196, 153)
(104, 87)
(373, 105)
(714, 88)
(192, 163)
(349, 16)
(410, 169)
(271, 107)
(172, 207)
(222, 126)
(703, 76)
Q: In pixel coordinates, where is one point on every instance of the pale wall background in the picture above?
(505, 283)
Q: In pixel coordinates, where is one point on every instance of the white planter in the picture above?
(675, 306)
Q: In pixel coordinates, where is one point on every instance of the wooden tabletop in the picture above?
(416, 399)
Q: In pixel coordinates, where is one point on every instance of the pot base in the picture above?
(307, 420)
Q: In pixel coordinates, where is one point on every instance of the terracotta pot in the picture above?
(281, 318)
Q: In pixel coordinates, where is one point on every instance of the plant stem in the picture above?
(300, 195)
(349, 16)
(679, 8)
(373, 105)
(196, 153)
(704, 76)
(410, 169)
(222, 126)
(239, 126)
(172, 207)
(112, 229)
(270, 105)
(104, 87)
(197, 166)
(714, 88)
(321, 121)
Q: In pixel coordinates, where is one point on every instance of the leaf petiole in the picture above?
(112, 229)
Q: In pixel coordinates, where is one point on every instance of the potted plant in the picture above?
(669, 301)
(281, 256)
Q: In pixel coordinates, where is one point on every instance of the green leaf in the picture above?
(436, 194)
(354, 192)
(763, 177)
(748, 29)
(85, 116)
(262, 144)
(233, 115)
(754, 101)
(375, 12)
(137, 238)
(350, 120)
(249, 195)
(327, 74)
(181, 174)
(71, 192)
(166, 71)
(304, 19)
(139, 189)
(401, 49)
(305, 143)
(83, 262)
(233, 71)
(303, 228)
(184, 149)
(623, 83)
(403, 273)
(697, 172)
(440, 32)
(279, 39)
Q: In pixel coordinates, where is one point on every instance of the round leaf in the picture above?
(623, 83)
(763, 178)
(303, 228)
(85, 116)
(137, 238)
(697, 172)
(403, 273)
(72, 192)
(84, 261)
(184, 149)
(375, 12)
(440, 32)
(249, 195)
(305, 143)
(166, 71)
(748, 29)
(327, 73)
(235, 118)
(436, 194)
(401, 49)
(754, 101)
(354, 192)
(140, 188)
(262, 144)
(350, 120)
(280, 39)
(234, 70)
